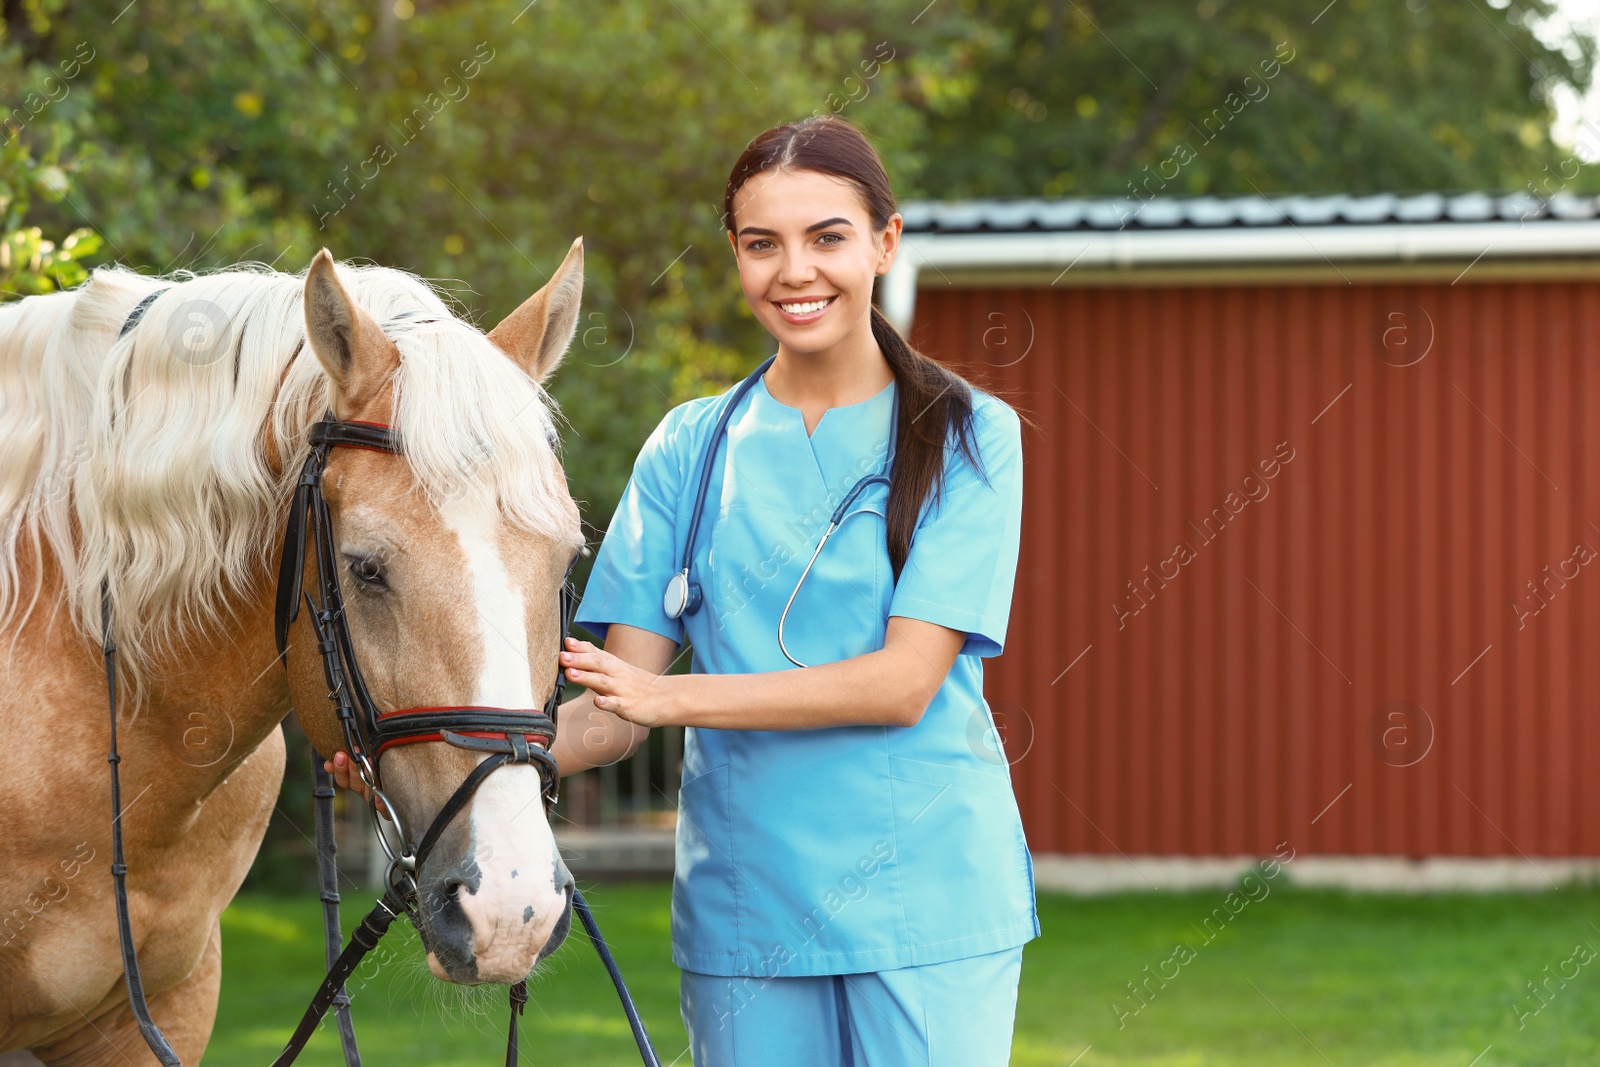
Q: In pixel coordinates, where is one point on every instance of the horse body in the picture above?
(161, 464)
(193, 838)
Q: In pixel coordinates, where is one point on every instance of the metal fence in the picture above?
(639, 792)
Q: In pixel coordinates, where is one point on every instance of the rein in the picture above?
(508, 735)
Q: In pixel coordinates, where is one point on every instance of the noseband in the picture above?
(510, 736)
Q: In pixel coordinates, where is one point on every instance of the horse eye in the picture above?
(367, 570)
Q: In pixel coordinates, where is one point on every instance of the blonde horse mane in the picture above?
(163, 463)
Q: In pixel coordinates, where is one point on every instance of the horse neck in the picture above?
(211, 701)
(199, 711)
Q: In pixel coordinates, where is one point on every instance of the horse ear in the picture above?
(537, 334)
(346, 340)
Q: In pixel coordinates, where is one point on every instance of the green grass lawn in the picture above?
(1300, 977)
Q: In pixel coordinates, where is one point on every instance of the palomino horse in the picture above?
(162, 464)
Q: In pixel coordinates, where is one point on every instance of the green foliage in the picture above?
(29, 263)
(473, 143)
(211, 118)
(502, 142)
(1099, 96)
(33, 169)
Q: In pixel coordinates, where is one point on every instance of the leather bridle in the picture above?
(510, 736)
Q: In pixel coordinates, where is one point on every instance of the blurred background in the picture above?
(1301, 302)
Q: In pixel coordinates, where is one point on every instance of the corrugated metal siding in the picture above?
(1237, 709)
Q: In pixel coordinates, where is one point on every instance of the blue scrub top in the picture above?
(843, 849)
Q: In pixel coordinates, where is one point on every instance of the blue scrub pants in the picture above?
(955, 1014)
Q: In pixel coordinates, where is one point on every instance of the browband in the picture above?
(373, 435)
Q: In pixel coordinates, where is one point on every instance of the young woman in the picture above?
(852, 885)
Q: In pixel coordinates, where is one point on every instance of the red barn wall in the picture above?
(1389, 646)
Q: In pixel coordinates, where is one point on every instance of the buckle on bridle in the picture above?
(517, 749)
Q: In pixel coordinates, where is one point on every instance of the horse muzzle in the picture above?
(478, 932)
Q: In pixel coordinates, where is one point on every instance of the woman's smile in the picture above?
(799, 312)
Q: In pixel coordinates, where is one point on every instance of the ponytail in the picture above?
(934, 404)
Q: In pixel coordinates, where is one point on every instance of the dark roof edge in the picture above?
(1068, 214)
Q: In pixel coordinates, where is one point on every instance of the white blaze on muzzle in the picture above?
(518, 901)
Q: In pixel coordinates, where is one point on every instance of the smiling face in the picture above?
(808, 253)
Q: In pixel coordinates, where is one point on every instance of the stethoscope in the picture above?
(683, 596)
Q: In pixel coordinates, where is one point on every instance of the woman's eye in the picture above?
(830, 238)
(368, 571)
(758, 246)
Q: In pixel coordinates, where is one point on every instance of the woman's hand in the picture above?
(343, 769)
(345, 775)
(618, 686)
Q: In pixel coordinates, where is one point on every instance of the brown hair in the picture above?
(935, 403)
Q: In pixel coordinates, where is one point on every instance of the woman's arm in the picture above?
(590, 737)
(890, 687)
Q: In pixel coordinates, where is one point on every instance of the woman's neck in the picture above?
(846, 373)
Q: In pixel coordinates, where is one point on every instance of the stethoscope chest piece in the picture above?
(682, 597)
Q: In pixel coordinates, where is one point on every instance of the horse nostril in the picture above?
(446, 896)
(446, 923)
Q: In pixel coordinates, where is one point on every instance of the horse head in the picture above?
(450, 555)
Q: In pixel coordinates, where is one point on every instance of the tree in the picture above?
(1113, 97)
(512, 130)
(29, 262)
(469, 142)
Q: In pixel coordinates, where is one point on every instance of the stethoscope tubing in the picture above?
(832, 526)
(834, 522)
(683, 595)
(711, 455)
